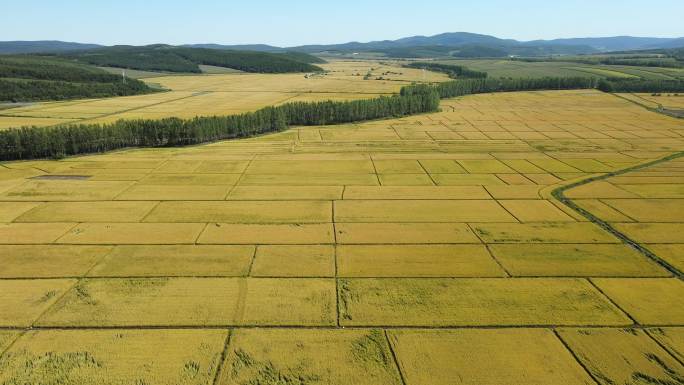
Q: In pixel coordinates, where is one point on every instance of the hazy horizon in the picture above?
(306, 22)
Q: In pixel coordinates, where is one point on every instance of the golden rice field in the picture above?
(226, 94)
(426, 250)
(668, 101)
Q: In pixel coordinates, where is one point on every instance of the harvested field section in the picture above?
(502, 302)
(502, 357)
(111, 357)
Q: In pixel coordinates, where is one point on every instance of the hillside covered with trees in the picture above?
(184, 59)
(35, 78)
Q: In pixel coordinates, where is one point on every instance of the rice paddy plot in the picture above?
(650, 301)
(49, 261)
(314, 245)
(174, 260)
(420, 211)
(347, 357)
(23, 301)
(194, 302)
(294, 261)
(490, 302)
(623, 356)
(109, 357)
(576, 260)
(416, 261)
(542, 232)
(491, 357)
(671, 339)
(242, 212)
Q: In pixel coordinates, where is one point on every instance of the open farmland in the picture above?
(226, 94)
(423, 250)
(536, 69)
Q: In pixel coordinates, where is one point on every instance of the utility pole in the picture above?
(123, 76)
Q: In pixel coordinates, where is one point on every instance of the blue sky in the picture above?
(287, 23)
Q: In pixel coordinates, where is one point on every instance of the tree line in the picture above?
(479, 86)
(640, 85)
(59, 141)
(633, 60)
(453, 71)
(39, 90)
(186, 59)
(33, 78)
(53, 142)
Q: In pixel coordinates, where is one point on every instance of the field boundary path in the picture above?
(559, 194)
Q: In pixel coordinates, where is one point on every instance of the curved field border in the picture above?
(678, 114)
(559, 194)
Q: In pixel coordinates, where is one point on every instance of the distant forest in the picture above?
(36, 78)
(181, 59)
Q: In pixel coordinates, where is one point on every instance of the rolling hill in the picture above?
(44, 46)
(167, 58)
(33, 78)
